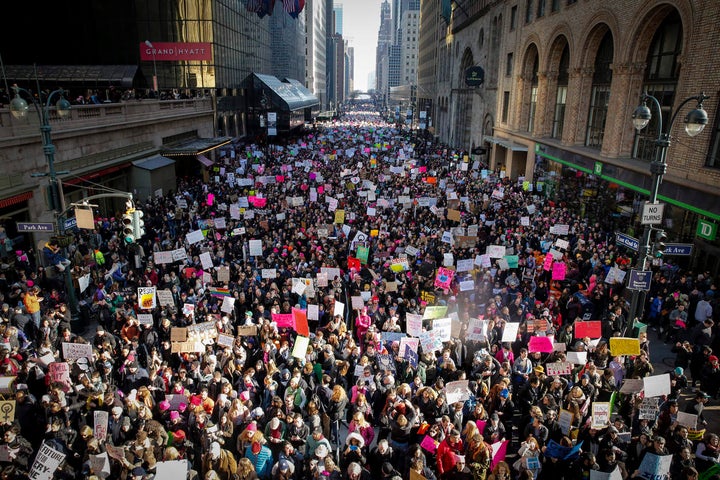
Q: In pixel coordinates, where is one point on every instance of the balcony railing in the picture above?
(82, 116)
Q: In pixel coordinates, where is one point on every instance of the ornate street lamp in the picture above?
(19, 108)
(695, 121)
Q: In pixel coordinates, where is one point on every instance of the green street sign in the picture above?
(706, 230)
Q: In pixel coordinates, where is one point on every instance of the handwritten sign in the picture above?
(624, 346)
(558, 368)
(73, 351)
(592, 329)
(46, 462)
(600, 414)
(100, 429)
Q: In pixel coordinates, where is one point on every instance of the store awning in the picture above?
(15, 199)
(96, 174)
(205, 161)
(97, 75)
(195, 146)
(504, 142)
(287, 95)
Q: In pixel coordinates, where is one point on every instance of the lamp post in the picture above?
(155, 77)
(695, 121)
(19, 108)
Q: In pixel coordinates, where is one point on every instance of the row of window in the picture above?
(536, 7)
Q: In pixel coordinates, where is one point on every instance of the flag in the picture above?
(293, 7)
(353, 263)
(261, 7)
(219, 292)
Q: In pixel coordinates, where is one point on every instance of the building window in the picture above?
(661, 79)
(600, 98)
(555, 5)
(509, 64)
(513, 17)
(570, 2)
(597, 116)
(559, 121)
(528, 11)
(712, 160)
(541, 8)
(505, 106)
(561, 93)
(533, 108)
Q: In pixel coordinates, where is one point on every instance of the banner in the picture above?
(73, 351)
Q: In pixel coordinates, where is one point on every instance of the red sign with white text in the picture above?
(175, 51)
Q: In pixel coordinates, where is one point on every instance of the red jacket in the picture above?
(447, 455)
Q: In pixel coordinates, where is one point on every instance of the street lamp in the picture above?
(155, 77)
(20, 108)
(695, 121)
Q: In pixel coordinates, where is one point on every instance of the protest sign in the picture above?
(145, 318)
(413, 323)
(624, 346)
(687, 419)
(565, 419)
(177, 469)
(60, 372)
(146, 298)
(648, 409)
(247, 330)
(510, 332)
(632, 385)
(73, 351)
(46, 462)
(100, 429)
(435, 311)
(457, 391)
(657, 385)
(540, 344)
(655, 467)
(558, 368)
(300, 347)
(225, 340)
(576, 358)
(592, 329)
(600, 414)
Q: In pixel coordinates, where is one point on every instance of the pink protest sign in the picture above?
(279, 178)
(558, 271)
(540, 344)
(320, 189)
(284, 320)
(547, 264)
(210, 199)
(428, 443)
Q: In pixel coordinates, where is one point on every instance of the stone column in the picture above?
(576, 109)
(626, 87)
(544, 115)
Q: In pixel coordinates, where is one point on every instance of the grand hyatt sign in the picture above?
(173, 51)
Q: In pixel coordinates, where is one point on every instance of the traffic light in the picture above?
(138, 224)
(660, 246)
(128, 228)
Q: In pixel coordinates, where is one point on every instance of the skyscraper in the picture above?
(338, 9)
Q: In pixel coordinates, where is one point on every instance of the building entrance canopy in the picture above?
(286, 95)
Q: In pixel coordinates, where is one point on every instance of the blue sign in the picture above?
(639, 280)
(627, 241)
(70, 223)
(678, 249)
(35, 227)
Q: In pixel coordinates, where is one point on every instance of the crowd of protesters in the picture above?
(352, 404)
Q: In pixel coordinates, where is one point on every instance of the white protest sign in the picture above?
(577, 358)
(100, 429)
(73, 351)
(510, 332)
(339, 308)
(457, 391)
(413, 324)
(656, 385)
(194, 237)
(46, 462)
(255, 247)
(206, 261)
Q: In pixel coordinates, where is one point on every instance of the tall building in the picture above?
(316, 50)
(287, 44)
(410, 41)
(382, 56)
(338, 10)
(349, 70)
(428, 60)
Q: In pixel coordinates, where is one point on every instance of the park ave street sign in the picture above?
(35, 227)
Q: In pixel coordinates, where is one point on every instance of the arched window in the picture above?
(561, 93)
(661, 78)
(533, 94)
(600, 98)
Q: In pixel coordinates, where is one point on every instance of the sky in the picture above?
(361, 21)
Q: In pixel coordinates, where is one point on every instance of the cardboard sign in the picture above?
(73, 351)
(7, 411)
(225, 340)
(178, 334)
(601, 414)
(247, 330)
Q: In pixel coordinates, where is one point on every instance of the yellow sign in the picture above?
(374, 233)
(339, 216)
(624, 346)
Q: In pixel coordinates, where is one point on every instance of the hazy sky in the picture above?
(361, 21)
